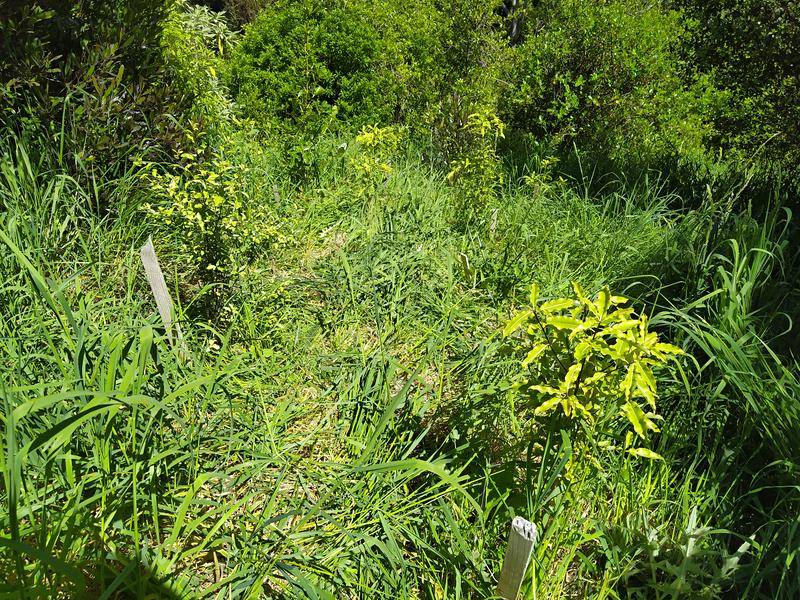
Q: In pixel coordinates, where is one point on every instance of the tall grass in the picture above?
(345, 430)
(737, 330)
(340, 421)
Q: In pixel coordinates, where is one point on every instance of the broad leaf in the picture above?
(668, 349)
(645, 453)
(534, 295)
(544, 389)
(627, 383)
(547, 406)
(636, 416)
(581, 295)
(582, 349)
(568, 323)
(533, 354)
(603, 301)
(516, 322)
(552, 306)
(646, 383)
(572, 375)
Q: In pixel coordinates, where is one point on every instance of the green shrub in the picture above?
(310, 66)
(751, 49)
(375, 149)
(194, 40)
(475, 60)
(208, 196)
(209, 208)
(608, 77)
(594, 360)
(477, 171)
(305, 62)
(84, 84)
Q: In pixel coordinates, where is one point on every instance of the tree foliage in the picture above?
(752, 49)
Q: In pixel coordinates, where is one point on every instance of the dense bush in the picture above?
(476, 55)
(194, 42)
(608, 77)
(342, 417)
(309, 67)
(208, 208)
(89, 78)
(307, 62)
(752, 49)
(207, 197)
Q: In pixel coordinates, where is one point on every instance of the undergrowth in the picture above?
(344, 416)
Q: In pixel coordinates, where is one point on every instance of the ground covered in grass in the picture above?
(344, 416)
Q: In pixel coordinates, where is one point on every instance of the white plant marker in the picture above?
(521, 540)
(155, 277)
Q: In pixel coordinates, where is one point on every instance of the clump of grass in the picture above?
(752, 390)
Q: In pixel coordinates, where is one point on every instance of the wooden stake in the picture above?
(521, 540)
(155, 277)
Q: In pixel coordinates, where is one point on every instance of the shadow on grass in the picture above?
(114, 579)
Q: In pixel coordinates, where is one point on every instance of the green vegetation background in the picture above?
(350, 200)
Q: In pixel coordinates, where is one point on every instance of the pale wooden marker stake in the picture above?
(155, 277)
(521, 540)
